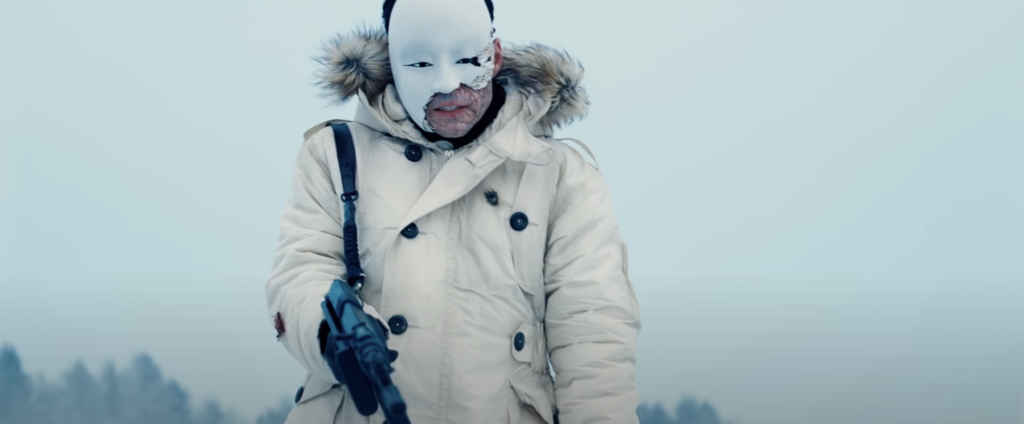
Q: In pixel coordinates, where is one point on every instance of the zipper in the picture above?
(446, 147)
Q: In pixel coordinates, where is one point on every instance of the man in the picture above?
(489, 247)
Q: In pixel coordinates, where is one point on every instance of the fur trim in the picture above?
(360, 62)
(354, 63)
(555, 75)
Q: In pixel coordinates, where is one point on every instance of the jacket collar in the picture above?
(357, 65)
(512, 135)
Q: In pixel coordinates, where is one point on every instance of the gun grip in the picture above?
(359, 387)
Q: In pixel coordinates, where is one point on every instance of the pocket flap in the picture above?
(535, 393)
(529, 341)
(314, 387)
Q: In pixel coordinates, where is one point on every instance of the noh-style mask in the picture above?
(437, 45)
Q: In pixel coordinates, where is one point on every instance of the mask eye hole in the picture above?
(419, 65)
(469, 61)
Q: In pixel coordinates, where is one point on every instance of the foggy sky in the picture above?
(823, 201)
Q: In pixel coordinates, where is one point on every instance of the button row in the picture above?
(398, 325)
(518, 221)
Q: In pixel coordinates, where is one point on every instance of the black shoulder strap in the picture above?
(347, 163)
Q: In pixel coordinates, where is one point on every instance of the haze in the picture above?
(824, 201)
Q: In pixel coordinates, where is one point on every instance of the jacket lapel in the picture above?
(464, 172)
(460, 175)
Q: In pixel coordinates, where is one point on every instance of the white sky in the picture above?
(824, 201)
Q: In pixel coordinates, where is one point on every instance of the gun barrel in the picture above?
(365, 341)
(393, 405)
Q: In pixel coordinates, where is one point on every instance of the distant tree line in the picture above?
(138, 394)
(687, 411)
(141, 394)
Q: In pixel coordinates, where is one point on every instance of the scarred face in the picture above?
(443, 58)
(452, 115)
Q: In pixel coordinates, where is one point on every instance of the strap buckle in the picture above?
(350, 196)
(357, 282)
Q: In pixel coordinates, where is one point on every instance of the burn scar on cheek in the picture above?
(426, 122)
(485, 61)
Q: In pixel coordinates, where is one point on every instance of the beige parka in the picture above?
(467, 283)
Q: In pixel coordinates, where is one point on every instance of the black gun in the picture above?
(362, 356)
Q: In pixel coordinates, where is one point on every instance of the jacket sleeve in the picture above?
(592, 319)
(308, 257)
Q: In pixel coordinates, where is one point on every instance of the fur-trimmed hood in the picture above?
(358, 65)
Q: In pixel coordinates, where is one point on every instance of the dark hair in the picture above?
(390, 4)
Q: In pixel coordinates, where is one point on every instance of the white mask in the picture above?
(436, 45)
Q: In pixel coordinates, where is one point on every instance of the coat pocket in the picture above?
(321, 402)
(531, 401)
(527, 245)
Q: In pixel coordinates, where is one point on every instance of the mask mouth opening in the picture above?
(447, 103)
(449, 107)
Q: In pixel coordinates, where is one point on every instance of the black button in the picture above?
(411, 231)
(413, 152)
(298, 394)
(519, 221)
(492, 197)
(519, 341)
(398, 324)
